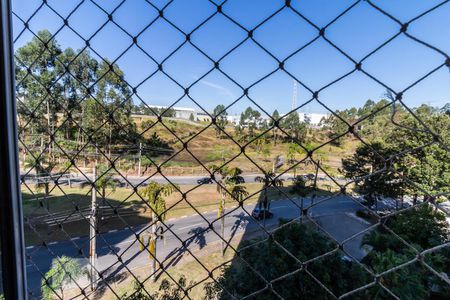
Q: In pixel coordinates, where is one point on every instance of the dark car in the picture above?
(259, 214)
(205, 180)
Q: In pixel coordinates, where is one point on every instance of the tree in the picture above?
(154, 194)
(275, 118)
(335, 127)
(407, 151)
(221, 189)
(250, 119)
(63, 270)
(166, 112)
(292, 125)
(293, 150)
(299, 187)
(221, 119)
(409, 282)
(73, 87)
(423, 228)
(35, 71)
(242, 277)
(71, 90)
(375, 176)
(105, 180)
(446, 109)
(191, 117)
(269, 179)
(428, 167)
(166, 291)
(228, 186)
(114, 95)
(43, 169)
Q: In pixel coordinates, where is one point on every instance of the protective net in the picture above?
(126, 199)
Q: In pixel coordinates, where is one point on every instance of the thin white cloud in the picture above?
(223, 90)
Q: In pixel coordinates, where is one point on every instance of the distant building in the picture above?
(233, 119)
(184, 113)
(180, 112)
(203, 117)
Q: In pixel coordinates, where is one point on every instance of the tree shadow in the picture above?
(241, 222)
(174, 257)
(199, 236)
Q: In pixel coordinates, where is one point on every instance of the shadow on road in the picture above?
(174, 257)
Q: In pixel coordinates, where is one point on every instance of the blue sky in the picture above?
(361, 30)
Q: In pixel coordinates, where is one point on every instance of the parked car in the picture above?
(205, 180)
(259, 214)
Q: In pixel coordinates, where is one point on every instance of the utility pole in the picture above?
(92, 233)
(140, 155)
(317, 172)
(152, 245)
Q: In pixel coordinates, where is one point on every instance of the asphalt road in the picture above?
(78, 179)
(191, 229)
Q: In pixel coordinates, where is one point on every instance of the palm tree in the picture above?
(104, 181)
(127, 166)
(236, 192)
(228, 186)
(155, 194)
(64, 269)
(269, 179)
(234, 176)
(221, 189)
(43, 170)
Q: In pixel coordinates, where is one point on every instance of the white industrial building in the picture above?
(184, 113)
(233, 119)
(203, 117)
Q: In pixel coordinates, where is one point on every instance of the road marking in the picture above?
(114, 230)
(52, 243)
(119, 244)
(193, 225)
(75, 238)
(30, 247)
(279, 207)
(124, 242)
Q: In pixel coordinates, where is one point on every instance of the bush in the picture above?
(300, 187)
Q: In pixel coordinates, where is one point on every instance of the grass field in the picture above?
(207, 147)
